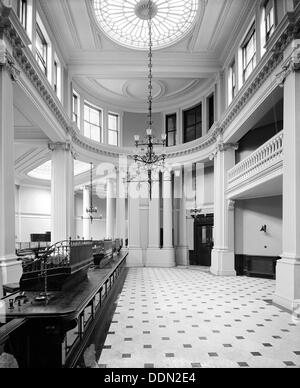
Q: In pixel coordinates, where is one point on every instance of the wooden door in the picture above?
(203, 241)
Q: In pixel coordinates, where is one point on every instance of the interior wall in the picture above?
(136, 124)
(33, 212)
(250, 216)
(98, 227)
(266, 128)
(209, 186)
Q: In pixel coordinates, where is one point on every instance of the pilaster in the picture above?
(135, 257)
(86, 222)
(181, 251)
(121, 210)
(288, 268)
(153, 255)
(168, 251)
(223, 258)
(62, 192)
(10, 268)
(110, 211)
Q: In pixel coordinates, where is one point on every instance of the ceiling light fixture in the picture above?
(91, 210)
(149, 161)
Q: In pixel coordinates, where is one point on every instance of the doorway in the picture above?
(203, 241)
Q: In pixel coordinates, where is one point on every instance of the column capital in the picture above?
(60, 146)
(7, 61)
(167, 175)
(223, 147)
(291, 65)
(231, 205)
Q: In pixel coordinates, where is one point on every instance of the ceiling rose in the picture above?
(126, 22)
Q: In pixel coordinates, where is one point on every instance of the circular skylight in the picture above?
(126, 21)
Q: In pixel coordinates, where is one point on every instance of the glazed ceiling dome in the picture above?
(126, 22)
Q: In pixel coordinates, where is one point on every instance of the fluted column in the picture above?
(121, 210)
(288, 268)
(110, 213)
(154, 251)
(181, 252)
(86, 222)
(167, 211)
(62, 192)
(223, 257)
(135, 257)
(168, 251)
(9, 267)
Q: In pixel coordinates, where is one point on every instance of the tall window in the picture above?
(57, 76)
(171, 128)
(211, 110)
(113, 129)
(269, 19)
(92, 122)
(193, 124)
(249, 53)
(22, 12)
(75, 107)
(232, 83)
(41, 49)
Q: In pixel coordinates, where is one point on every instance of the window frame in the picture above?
(209, 116)
(168, 131)
(251, 35)
(21, 4)
(77, 114)
(117, 131)
(42, 62)
(186, 127)
(232, 81)
(269, 30)
(100, 112)
(57, 76)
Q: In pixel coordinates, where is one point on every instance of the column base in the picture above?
(222, 263)
(287, 292)
(181, 255)
(11, 269)
(160, 258)
(135, 258)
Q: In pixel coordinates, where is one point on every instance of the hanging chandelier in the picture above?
(91, 210)
(149, 160)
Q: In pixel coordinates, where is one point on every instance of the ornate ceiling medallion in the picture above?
(126, 22)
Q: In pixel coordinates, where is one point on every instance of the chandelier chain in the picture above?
(150, 54)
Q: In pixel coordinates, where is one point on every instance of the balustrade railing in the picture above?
(261, 159)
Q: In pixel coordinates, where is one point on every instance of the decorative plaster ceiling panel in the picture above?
(137, 89)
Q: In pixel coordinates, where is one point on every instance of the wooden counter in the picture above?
(47, 325)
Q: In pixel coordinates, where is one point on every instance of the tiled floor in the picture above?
(190, 319)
